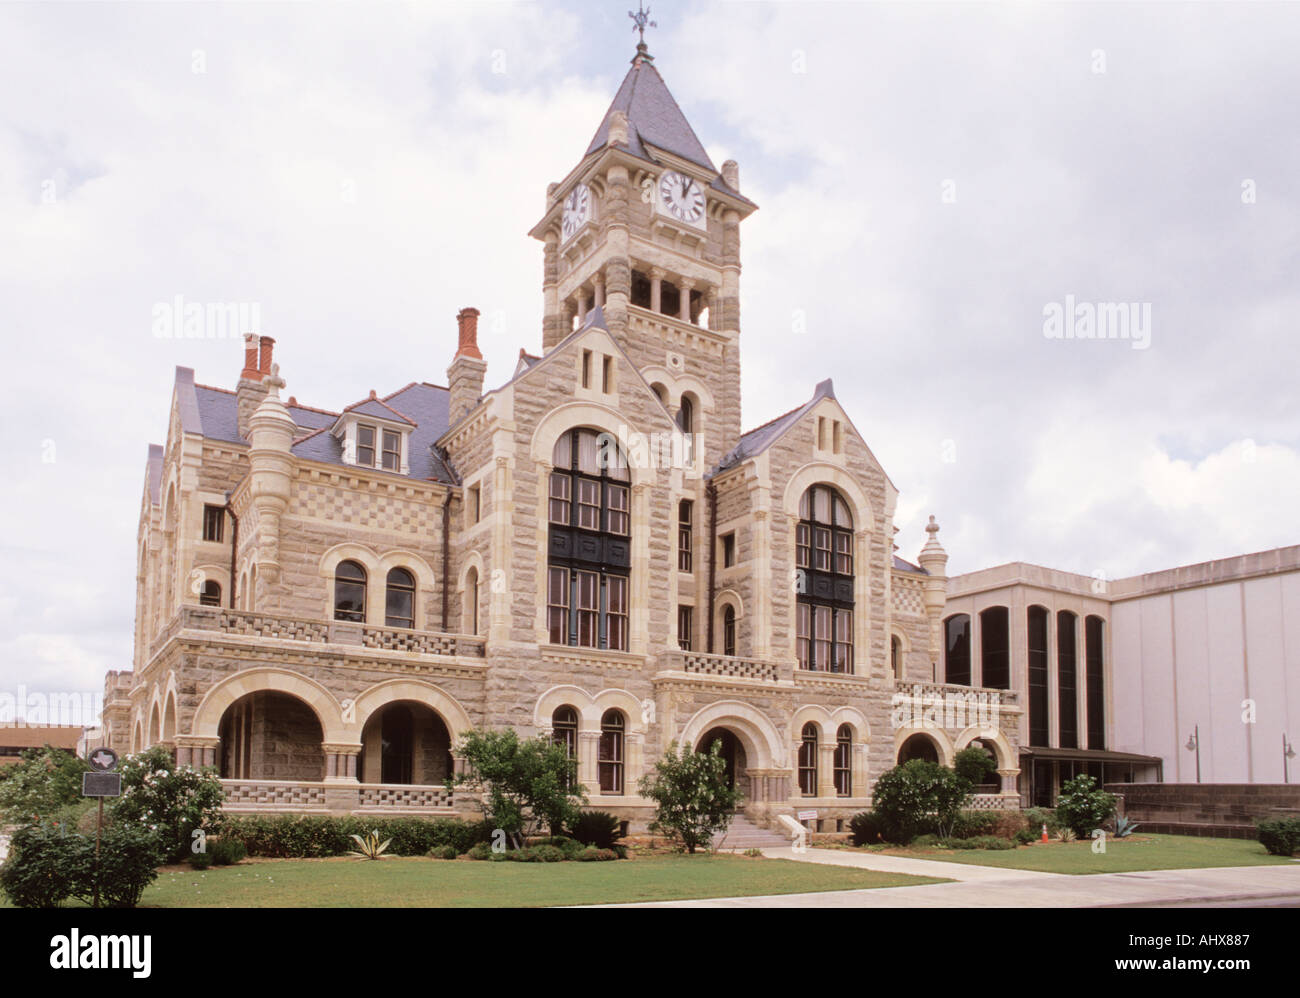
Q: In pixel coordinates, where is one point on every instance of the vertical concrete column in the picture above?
(684, 306)
(598, 289)
(657, 275)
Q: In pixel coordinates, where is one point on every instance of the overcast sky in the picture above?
(932, 180)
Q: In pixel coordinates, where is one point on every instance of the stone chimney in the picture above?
(465, 375)
(250, 391)
(934, 559)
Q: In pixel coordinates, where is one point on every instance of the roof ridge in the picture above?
(776, 419)
(214, 388)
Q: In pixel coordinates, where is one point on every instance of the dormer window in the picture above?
(374, 442)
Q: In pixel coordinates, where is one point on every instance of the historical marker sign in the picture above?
(103, 760)
(101, 784)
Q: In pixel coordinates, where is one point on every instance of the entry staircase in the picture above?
(743, 834)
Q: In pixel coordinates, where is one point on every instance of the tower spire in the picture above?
(641, 21)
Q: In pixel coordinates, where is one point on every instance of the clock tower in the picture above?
(646, 229)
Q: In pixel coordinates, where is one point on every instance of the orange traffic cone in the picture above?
(1044, 839)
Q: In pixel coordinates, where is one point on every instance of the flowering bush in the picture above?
(168, 799)
(693, 795)
(46, 782)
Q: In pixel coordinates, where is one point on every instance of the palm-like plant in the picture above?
(370, 847)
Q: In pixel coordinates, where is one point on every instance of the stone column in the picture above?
(598, 286)
(825, 769)
(684, 307)
(553, 327)
(618, 268)
(1008, 780)
(588, 774)
(657, 275)
(582, 307)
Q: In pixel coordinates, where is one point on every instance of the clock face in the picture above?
(682, 197)
(577, 211)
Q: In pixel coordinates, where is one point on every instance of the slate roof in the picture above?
(213, 413)
(762, 437)
(906, 566)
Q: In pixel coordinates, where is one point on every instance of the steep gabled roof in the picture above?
(653, 117)
(762, 437)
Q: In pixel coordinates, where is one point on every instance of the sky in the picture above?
(935, 183)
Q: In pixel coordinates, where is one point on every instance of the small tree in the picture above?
(693, 797)
(919, 795)
(1083, 806)
(169, 799)
(974, 765)
(528, 785)
(44, 782)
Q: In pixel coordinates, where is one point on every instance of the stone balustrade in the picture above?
(263, 625)
(306, 797)
(725, 666)
(273, 795)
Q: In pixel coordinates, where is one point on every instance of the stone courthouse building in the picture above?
(593, 549)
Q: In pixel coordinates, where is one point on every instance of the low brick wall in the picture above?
(1225, 810)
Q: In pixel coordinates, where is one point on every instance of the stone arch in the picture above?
(437, 699)
(473, 564)
(824, 473)
(1006, 756)
(940, 739)
(590, 708)
(137, 736)
(425, 584)
(572, 416)
(818, 716)
(169, 713)
(726, 598)
(758, 735)
(207, 718)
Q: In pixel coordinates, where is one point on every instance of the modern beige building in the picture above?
(329, 596)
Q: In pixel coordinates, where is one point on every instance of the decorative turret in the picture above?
(271, 431)
(934, 559)
(250, 390)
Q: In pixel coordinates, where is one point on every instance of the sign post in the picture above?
(101, 782)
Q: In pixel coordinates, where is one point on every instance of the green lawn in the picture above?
(419, 883)
(1140, 852)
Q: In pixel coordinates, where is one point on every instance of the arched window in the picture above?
(610, 755)
(469, 608)
(896, 656)
(589, 551)
(686, 415)
(729, 630)
(808, 761)
(824, 556)
(843, 761)
(564, 730)
(956, 649)
(1037, 620)
(350, 592)
(1067, 682)
(210, 594)
(401, 599)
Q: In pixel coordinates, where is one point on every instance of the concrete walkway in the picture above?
(990, 887)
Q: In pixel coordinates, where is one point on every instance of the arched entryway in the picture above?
(918, 747)
(992, 783)
(731, 749)
(405, 743)
(269, 735)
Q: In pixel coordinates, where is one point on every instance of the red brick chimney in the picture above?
(264, 364)
(250, 391)
(251, 370)
(465, 375)
(467, 320)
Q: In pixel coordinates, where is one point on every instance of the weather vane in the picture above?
(641, 20)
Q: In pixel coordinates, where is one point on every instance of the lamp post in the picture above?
(1288, 752)
(1194, 745)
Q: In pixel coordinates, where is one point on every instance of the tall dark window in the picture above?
(896, 656)
(685, 626)
(1093, 633)
(808, 761)
(400, 599)
(564, 730)
(824, 606)
(610, 754)
(350, 592)
(1067, 698)
(589, 555)
(1037, 641)
(995, 648)
(685, 513)
(729, 630)
(686, 416)
(844, 761)
(397, 737)
(214, 521)
(956, 649)
(210, 594)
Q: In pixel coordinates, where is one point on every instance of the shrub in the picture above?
(44, 865)
(443, 852)
(1037, 817)
(693, 797)
(227, 851)
(567, 846)
(311, 836)
(548, 854)
(44, 782)
(1026, 836)
(593, 855)
(919, 796)
(1280, 836)
(926, 841)
(974, 764)
(481, 851)
(169, 799)
(200, 860)
(1083, 806)
(128, 863)
(595, 828)
(868, 828)
(1003, 824)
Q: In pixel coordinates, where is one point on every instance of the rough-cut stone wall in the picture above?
(285, 742)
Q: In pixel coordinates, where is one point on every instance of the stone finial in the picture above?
(933, 557)
(731, 175)
(617, 129)
(273, 382)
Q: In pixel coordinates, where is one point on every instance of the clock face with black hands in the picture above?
(577, 211)
(682, 197)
